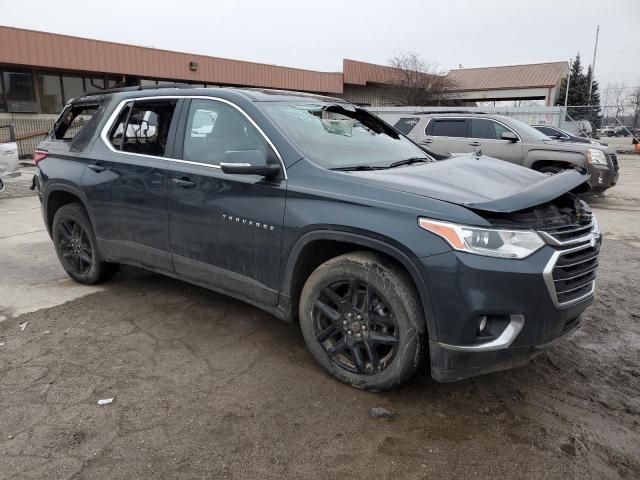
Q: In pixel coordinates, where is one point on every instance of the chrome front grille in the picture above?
(614, 161)
(570, 274)
(568, 233)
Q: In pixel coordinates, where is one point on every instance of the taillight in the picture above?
(39, 155)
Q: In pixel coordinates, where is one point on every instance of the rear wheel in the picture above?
(361, 319)
(76, 246)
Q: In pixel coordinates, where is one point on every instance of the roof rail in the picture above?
(449, 111)
(136, 88)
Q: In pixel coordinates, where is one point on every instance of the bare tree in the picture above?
(634, 100)
(616, 96)
(415, 82)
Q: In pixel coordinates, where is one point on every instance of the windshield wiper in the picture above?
(409, 161)
(357, 168)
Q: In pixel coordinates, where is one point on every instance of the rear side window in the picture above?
(405, 125)
(449, 128)
(143, 127)
(547, 130)
(72, 120)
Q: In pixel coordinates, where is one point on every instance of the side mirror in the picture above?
(248, 162)
(512, 137)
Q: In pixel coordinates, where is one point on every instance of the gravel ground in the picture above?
(207, 387)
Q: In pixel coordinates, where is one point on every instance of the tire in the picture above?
(551, 169)
(378, 350)
(77, 248)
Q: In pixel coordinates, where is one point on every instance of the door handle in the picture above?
(183, 182)
(96, 167)
(475, 144)
(426, 141)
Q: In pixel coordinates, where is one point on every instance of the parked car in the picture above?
(556, 133)
(316, 211)
(580, 128)
(511, 140)
(9, 161)
(604, 131)
(620, 131)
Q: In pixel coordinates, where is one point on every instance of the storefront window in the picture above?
(50, 93)
(113, 82)
(95, 83)
(19, 91)
(3, 105)
(73, 87)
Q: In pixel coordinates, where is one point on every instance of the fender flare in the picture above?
(52, 187)
(403, 257)
(555, 156)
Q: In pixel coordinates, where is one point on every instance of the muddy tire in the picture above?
(77, 248)
(361, 319)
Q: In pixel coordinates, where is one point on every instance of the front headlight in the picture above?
(485, 241)
(596, 156)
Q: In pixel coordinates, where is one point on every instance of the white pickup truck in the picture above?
(9, 164)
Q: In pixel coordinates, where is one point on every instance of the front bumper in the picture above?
(513, 294)
(602, 176)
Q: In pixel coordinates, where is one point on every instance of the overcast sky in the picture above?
(318, 35)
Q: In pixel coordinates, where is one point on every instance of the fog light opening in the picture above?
(483, 324)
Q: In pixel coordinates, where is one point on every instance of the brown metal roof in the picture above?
(359, 73)
(49, 50)
(512, 76)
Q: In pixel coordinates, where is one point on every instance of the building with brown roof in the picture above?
(41, 71)
(539, 81)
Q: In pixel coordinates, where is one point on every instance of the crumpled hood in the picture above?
(480, 183)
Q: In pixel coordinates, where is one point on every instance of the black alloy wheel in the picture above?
(76, 251)
(362, 320)
(76, 246)
(355, 326)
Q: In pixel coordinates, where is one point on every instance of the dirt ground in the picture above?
(207, 387)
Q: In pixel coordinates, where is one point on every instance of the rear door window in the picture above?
(405, 125)
(147, 128)
(449, 128)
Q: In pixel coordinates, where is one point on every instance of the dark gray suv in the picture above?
(319, 212)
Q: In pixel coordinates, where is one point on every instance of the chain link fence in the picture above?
(28, 133)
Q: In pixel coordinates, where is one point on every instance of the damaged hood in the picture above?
(479, 183)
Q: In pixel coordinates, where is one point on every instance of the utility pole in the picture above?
(566, 93)
(593, 64)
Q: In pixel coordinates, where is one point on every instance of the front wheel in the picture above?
(76, 246)
(362, 321)
(550, 169)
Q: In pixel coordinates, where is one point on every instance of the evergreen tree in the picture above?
(579, 94)
(593, 114)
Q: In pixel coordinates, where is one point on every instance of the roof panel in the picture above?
(73, 53)
(512, 76)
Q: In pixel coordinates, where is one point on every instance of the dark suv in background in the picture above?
(319, 212)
